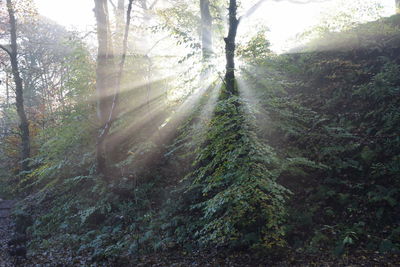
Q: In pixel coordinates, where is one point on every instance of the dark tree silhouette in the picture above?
(12, 51)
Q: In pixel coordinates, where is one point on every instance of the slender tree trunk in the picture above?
(230, 43)
(146, 20)
(230, 47)
(7, 92)
(397, 6)
(61, 92)
(120, 22)
(105, 61)
(19, 92)
(104, 68)
(6, 124)
(108, 76)
(206, 29)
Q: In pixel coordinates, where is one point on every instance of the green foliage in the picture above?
(257, 49)
(233, 191)
(320, 127)
(5, 184)
(66, 148)
(341, 111)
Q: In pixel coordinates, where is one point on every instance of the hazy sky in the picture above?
(77, 13)
(283, 19)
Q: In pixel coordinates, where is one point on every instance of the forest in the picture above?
(200, 133)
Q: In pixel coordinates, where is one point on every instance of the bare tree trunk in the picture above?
(6, 124)
(206, 29)
(230, 47)
(108, 76)
(397, 6)
(230, 43)
(105, 61)
(146, 20)
(7, 91)
(120, 21)
(19, 91)
(60, 92)
(105, 65)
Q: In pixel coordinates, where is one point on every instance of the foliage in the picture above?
(257, 49)
(65, 148)
(305, 157)
(341, 112)
(234, 180)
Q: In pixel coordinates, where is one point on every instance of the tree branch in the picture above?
(113, 5)
(254, 8)
(154, 46)
(109, 122)
(152, 5)
(5, 49)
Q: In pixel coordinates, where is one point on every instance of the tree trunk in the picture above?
(108, 74)
(104, 80)
(397, 6)
(120, 21)
(230, 47)
(7, 92)
(19, 91)
(206, 29)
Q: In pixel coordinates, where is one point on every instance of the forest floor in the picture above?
(5, 231)
(183, 259)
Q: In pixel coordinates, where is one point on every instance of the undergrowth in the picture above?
(311, 164)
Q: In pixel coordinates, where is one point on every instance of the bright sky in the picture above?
(284, 19)
(72, 13)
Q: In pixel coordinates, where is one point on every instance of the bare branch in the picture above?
(253, 9)
(108, 124)
(154, 46)
(153, 5)
(113, 5)
(5, 49)
(257, 5)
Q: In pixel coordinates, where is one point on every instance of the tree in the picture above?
(206, 29)
(230, 40)
(108, 75)
(398, 6)
(45, 68)
(12, 51)
(230, 43)
(230, 47)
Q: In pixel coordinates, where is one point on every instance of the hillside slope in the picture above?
(322, 123)
(342, 111)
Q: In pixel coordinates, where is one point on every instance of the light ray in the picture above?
(165, 120)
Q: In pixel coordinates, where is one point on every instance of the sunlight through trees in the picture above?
(184, 133)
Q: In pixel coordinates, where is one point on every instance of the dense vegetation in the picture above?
(302, 158)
